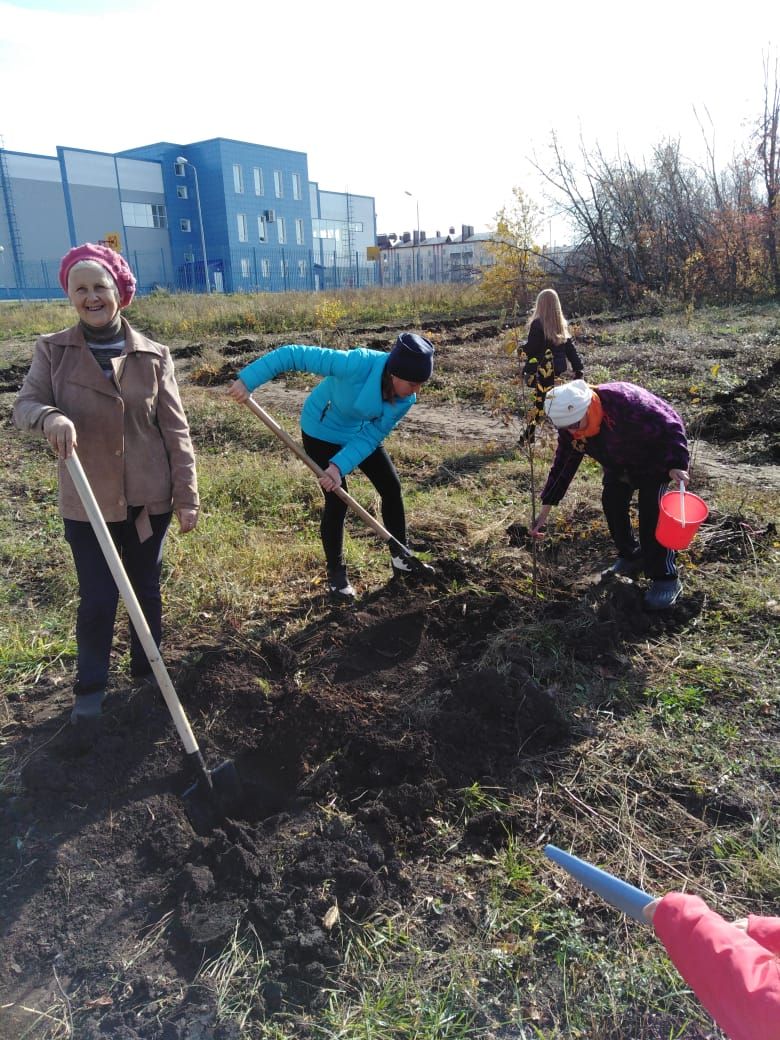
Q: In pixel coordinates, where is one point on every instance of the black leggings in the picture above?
(380, 470)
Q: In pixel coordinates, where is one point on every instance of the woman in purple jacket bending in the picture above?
(641, 444)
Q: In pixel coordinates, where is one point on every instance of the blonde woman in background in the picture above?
(549, 349)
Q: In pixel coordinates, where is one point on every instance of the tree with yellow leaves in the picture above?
(515, 278)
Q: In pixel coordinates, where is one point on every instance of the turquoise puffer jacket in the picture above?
(346, 408)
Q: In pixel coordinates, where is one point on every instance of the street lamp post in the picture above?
(186, 162)
(417, 259)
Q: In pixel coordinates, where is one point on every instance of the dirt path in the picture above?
(710, 463)
(716, 464)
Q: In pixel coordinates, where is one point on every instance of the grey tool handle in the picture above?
(79, 478)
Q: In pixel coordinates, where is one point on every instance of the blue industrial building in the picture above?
(217, 215)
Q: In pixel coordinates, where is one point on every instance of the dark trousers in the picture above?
(616, 494)
(99, 595)
(379, 469)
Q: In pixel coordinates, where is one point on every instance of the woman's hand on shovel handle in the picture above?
(679, 476)
(537, 531)
(331, 478)
(238, 391)
(60, 432)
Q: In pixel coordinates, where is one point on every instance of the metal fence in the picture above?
(250, 270)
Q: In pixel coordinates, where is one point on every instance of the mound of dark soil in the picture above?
(347, 737)
(749, 410)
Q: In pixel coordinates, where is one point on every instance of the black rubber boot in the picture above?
(87, 707)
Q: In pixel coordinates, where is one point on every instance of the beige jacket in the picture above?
(133, 437)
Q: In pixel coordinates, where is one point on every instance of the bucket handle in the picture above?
(682, 503)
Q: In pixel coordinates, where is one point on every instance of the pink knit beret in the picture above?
(114, 263)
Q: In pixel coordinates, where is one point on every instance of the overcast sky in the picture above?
(446, 101)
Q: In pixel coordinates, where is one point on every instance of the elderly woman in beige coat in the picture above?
(105, 389)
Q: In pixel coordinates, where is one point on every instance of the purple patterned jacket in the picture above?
(641, 436)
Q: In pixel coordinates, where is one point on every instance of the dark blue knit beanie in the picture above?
(411, 358)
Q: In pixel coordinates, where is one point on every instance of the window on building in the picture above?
(244, 267)
(257, 174)
(299, 232)
(261, 231)
(181, 192)
(284, 268)
(184, 224)
(281, 230)
(265, 267)
(142, 214)
(243, 235)
(278, 184)
(238, 178)
(302, 268)
(178, 169)
(189, 257)
(296, 183)
(323, 230)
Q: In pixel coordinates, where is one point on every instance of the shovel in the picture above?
(215, 792)
(396, 548)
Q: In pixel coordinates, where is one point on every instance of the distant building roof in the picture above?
(386, 241)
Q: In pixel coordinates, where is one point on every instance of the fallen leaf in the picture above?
(331, 918)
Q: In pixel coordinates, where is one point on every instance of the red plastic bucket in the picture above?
(679, 518)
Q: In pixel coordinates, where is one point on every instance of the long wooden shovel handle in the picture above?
(292, 444)
(79, 478)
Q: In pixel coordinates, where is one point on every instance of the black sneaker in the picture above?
(624, 567)
(339, 585)
(663, 593)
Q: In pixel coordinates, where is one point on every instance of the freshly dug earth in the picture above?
(355, 735)
(347, 738)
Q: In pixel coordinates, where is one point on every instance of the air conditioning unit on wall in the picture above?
(270, 216)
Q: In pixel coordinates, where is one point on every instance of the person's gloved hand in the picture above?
(60, 432)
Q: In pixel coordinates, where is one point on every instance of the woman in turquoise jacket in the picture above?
(344, 420)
